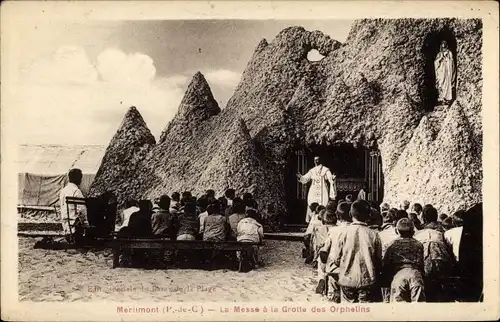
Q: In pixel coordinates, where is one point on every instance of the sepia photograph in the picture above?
(262, 163)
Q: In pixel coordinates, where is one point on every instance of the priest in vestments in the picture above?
(445, 74)
(318, 192)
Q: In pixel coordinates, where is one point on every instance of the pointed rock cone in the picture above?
(197, 105)
(127, 148)
(203, 151)
(234, 165)
(260, 47)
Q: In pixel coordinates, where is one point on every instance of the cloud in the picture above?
(172, 82)
(65, 99)
(66, 65)
(222, 82)
(117, 67)
(223, 77)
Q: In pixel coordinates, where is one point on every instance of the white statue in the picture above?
(445, 74)
(318, 192)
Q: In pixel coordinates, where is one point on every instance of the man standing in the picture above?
(77, 216)
(318, 192)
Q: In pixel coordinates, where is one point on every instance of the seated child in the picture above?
(439, 262)
(238, 213)
(318, 235)
(187, 222)
(403, 264)
(376, 220)
(331, 205)
(249, 230)
(319, 208)
(140, 226)
(215, 226)
(327, 251)
(388, 233)
(315, 221)
(307, 252)
(140, 221)
(203, 216)
(163, 223)
(448, 223)
(442, 217)
(453, 234)
(329, 220)
(343, 214)
(416, 222)
(223, 205)
(123, 217)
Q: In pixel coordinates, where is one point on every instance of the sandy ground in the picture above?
(73, 275)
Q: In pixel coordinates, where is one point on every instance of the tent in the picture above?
(42, 172)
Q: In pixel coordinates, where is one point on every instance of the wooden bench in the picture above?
(121, 243)
(40, 233)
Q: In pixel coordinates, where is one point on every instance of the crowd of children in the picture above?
(363, 253)
(189, 218)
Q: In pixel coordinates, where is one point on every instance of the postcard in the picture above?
(250, 160)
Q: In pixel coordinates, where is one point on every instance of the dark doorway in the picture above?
(430, 50)
(354, 168)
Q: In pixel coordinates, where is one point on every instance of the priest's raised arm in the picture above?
(304, 179)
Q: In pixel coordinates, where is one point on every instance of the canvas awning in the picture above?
(42, 171)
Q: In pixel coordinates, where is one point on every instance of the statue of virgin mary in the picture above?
(445, 74)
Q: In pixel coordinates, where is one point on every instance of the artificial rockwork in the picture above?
(375, 87)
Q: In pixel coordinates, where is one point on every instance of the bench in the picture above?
(118, 244)
(40, 233)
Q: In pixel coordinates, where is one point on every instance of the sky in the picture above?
(74, 81)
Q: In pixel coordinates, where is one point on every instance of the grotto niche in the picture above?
(440, 72)
(355, 168)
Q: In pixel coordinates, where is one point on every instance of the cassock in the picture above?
(445, 75)
(318, 192)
